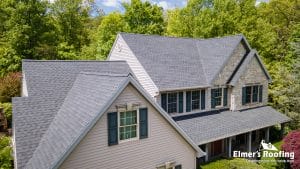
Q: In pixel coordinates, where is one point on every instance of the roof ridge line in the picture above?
(201, 61)
(192, 38)
(106, 74)
(32, 60)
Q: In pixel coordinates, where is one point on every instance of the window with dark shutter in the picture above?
(164, 101)
(143, 112)
(188, 101)
(225, 97)
(260, 93)
(112, 121)
(180, 100)
(213, 102)
(202, 99)
(243, 95)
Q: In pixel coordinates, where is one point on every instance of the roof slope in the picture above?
(243, 65)
(91, 95)
(192, 62)
(85, 101)
(48, 83)
(203, 129)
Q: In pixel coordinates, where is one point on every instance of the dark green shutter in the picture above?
(112, 121)
(164, 101)
(244, 96)
(260, 93)
(188, 101)
(178, 167)
(213, 102)
(143, 123)
(202, 99)
(225, 97)
(180, 99)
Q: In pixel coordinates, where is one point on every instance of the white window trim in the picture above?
(258, 95)
(222, 97)
(137, 126)
(192, 99)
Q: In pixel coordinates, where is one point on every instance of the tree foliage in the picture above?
(5, 153)
(291, 143)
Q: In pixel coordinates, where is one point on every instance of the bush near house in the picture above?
(10, 86)
(291, 143)
(5, 153)
(7, 112)
(233, 163)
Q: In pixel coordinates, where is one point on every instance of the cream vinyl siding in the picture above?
(121, 51)
(163, 143)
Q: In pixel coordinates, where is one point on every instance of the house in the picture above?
(215, 89)
(158, 102)
(92, 114)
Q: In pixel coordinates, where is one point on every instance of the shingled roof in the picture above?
(48, 83)
(192, 62)
(43, 118)
(208, 127)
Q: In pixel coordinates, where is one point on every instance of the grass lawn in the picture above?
(241, 163)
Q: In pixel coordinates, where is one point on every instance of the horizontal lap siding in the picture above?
(121, 51)
(164, 144)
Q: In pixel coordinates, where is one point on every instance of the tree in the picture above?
(24, 32)
(291, 143)
(143, 17)
(110, 26)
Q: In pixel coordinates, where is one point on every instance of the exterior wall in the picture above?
(121, 51)
(228, 69)
(163, 143)
(252, 75)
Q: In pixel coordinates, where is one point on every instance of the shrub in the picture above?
(7, 112)
(5, 153)
(10, 86)
(291, 143)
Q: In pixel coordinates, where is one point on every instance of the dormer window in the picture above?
(172, 102)
(252, 94)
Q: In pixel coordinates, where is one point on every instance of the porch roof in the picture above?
(207, 127)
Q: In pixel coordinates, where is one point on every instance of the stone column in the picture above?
(229, 146)
(249, 141)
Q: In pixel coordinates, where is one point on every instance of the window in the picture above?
(172, 102)
(252, 94)
(195, 100)
(218, 97)
(128, 125)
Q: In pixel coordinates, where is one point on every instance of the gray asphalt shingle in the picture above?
(192, 62)
(48, 83)
(85, 101)
(207, 128)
